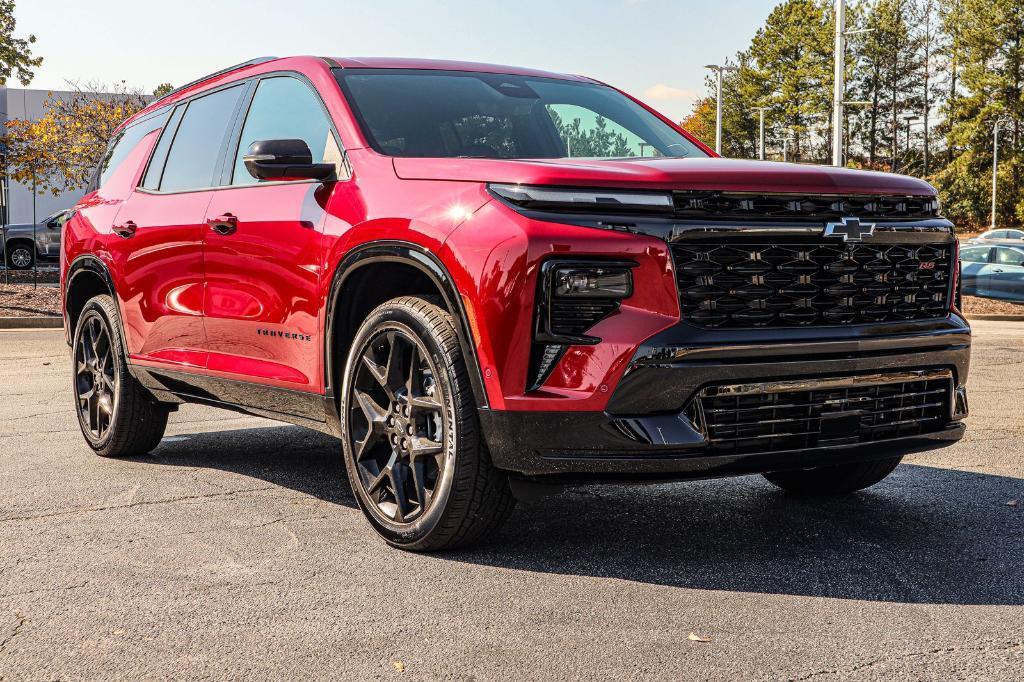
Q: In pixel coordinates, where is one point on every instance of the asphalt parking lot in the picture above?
(235, 550)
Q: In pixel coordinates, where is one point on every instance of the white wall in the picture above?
(24, 103)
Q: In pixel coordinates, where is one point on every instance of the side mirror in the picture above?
(284, 160)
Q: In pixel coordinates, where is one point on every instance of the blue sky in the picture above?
(655, 49)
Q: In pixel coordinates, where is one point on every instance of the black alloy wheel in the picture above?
(118, 417)
(97, 378)
(414, 455)
(398, 427)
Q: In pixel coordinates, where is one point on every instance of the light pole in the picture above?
(719, 70)
(785, 147)
(995, 165)
(839, 80)
(909, 120)
(760, 149)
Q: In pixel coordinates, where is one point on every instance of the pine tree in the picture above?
(988, 47)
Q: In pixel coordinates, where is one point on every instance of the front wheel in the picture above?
(411, 437)
(834, 480)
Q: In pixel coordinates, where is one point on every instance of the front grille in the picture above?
(798, 415)
(733, 285)
(728, 205)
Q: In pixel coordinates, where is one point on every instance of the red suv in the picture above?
(489, 280)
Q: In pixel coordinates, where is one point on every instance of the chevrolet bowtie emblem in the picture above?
(850, 229)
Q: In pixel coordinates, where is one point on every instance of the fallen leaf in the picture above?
(1012, 503)
(697, 638)
(399, 666)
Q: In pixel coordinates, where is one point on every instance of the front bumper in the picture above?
(647, 430)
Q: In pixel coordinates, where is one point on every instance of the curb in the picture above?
(997, 318)
(53, 322)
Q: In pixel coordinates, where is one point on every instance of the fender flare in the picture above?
(89, 263)
(429, 264)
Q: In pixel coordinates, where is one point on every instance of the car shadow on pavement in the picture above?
(924, 535)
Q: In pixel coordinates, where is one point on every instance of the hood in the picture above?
(730, 175)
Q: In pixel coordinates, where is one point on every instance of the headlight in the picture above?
(584, 200)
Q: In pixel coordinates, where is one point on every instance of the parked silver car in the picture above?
(993, 271)
(1007, 237)
(19, 248)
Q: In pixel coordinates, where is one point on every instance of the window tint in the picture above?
(285, 109)
(156, 164)
(192, 159)
(1014, 234)
(426, 113)
(1009, 257)
(976, 254)
(123, 143)
(996, 234)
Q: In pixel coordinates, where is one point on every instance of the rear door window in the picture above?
(156, 164)
(1009, 257)
(198, 143)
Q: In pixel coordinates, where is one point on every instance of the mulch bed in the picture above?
(22, 300)
(974, 305)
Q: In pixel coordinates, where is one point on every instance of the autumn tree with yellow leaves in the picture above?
(60, 151)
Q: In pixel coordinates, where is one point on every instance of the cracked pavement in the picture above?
(235, 550)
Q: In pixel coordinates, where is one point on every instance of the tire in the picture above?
(118, 418)
(834, 480)
(415, 459)
(20, 256)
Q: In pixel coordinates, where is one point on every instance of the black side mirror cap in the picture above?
(285, 160)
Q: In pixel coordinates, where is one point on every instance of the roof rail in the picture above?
(251, 62)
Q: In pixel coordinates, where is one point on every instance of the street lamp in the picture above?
(785, 147)
(760, 149)
(719, 70)
(995, 165)
(909, 120)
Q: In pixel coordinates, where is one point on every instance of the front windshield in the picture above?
(427, 113)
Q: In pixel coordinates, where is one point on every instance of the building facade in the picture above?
(18, 203)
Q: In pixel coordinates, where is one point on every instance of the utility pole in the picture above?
(839, 84)
(995, 165)
(760, 148)
(719, 70)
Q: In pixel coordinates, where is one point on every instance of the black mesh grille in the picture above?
(793, 420)
(787, 206)
(575, 316)
(732, 285)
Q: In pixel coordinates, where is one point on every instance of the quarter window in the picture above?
(192, 159)
(285, 108)
(124, 143)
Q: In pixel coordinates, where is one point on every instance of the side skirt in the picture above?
(310, 410)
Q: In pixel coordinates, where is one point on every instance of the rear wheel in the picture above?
(20, 256)
(117, 417)
(413, 451)
(834, 480)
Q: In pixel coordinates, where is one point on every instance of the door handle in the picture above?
(126, 229)
(223, 224)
